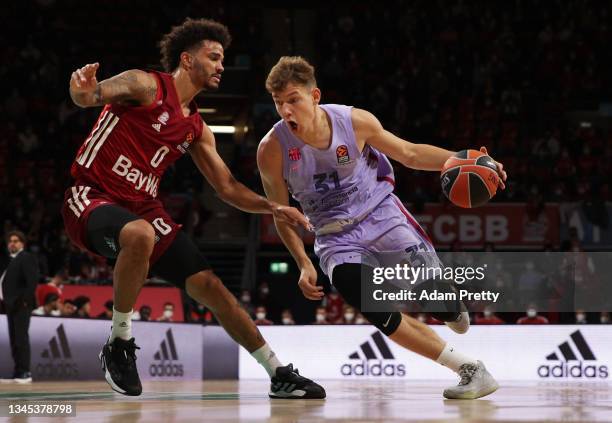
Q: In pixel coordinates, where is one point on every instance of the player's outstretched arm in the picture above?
(132, 87)
(205, 156)
(369, 130)
(270, 162)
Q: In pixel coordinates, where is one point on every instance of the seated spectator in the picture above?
(143, 314)
(321, 316)
(360, 320)
(83, 307)
(167, 314)
(348, 316)
(67, 308)
(287, 317)
(580, 317)
(245, 302)
(107, 314)
(604, 318)
(532, 318)
(52, 287)
(260, 317)
(488, 318)
(50, 307)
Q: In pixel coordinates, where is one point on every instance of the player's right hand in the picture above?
(308, 283)
(83, 80)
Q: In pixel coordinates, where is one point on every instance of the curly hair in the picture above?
(294, 69)
(190, 34)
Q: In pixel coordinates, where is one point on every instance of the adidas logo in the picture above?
(59, 358)
(581, 351)
(370, 361)
(156, 126)
(166, 358)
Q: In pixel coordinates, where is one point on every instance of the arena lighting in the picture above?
(207, 110)
(226, 129)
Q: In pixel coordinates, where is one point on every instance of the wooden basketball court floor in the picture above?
(351, 401)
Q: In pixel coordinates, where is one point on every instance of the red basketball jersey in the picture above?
(129, 148)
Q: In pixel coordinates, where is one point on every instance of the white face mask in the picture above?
(320, 317)
(286, 321)
(349, 316)
(532, 312)
(261, 315)
(604, 319)
(168, 313)
(580, 317)
(246, 298)
(360, 321)
(488, 313)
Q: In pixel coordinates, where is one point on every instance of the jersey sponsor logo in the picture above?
(123, 167)
(578, 352)
(378, 361)
(294, 154)
(342, 154)
(163, 118)
(57, 360)
(156, 126)
(166, 359)
(97, 138)
(185, 145)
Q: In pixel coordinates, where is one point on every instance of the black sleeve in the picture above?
(30, 273)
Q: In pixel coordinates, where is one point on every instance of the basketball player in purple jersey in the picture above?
(332, 159)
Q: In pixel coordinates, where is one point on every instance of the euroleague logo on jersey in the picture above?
(185, 145)
(342, 154)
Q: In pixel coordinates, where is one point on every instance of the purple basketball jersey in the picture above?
(339, 182)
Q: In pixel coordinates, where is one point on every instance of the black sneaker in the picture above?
(118, 360)
(289, 384)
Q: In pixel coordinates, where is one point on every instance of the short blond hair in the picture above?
(294, 69)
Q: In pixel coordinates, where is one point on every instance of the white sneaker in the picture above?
(462, 324)
(475, 382)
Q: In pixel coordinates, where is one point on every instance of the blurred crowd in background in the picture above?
(512, 76)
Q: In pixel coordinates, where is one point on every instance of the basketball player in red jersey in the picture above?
(149, 120)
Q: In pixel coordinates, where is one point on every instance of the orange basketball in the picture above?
(469, 178)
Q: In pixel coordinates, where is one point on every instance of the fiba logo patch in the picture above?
(166, 362)
(575, 361)
(342, 154)
(57, 362)
(378, 362)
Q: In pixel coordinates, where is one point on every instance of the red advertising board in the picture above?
(504, 224)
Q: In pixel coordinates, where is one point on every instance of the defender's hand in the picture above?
(292, 216)
(500, 170)
(84, 80)
(308, 283)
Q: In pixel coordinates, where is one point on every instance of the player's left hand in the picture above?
(500, 169)
(292, 216)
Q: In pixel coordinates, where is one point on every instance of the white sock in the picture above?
(122, 325)
(452, 359)
(266, 357)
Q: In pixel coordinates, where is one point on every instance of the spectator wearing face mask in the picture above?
(427, 319)
(488, 318)
(360, 320)
(167, 314)
(334, 305)
(50, 307)
(287, 318)
(348, 316)
(604, 318)
(532, 318)
(246, 303)
(83, 307)
(321, 316)
(143, 314)
(260, 317)
(580, 317)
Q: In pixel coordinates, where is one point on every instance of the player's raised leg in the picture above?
(411, 334)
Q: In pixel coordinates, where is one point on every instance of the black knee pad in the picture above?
(387, 322)
(448, 311)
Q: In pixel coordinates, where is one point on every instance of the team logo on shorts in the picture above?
(294, 154)
(342, 154)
